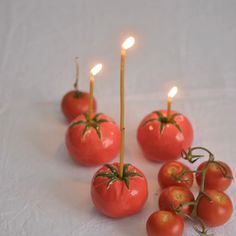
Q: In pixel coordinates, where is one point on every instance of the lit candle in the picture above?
(76, 84)
(171, 94)
(128, 43)
(96, 69)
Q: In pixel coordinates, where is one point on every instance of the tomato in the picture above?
(163, 140)
(75, 103)
(170, 174)
(119, 197)
(218, 175)
(174, 196)
(164, 223)
(216, 211)
(93, 143)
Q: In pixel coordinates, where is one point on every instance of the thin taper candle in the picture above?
(91, 88)
(96, 69)
(129, 42)
(122, 110)
(171, 94)
(169, 104)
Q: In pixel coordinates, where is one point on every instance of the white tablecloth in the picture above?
(190, 44)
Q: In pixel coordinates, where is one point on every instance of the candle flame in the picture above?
(173, 92)
(96, 69)
(128, 43)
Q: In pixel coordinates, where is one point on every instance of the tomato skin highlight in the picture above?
(73, 106)
(214, 177)
(164, 223)
(217, 211)
(173, 196)
(168, 145)
(165, 175)
(116, 200)
(89, 149)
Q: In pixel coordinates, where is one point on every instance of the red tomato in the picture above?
(164, 223)
(216, 211)
(218, 176)
(93, 143)
(116, 197)
(170, 173)
(75, 103)
(174, 196)
(163, 140)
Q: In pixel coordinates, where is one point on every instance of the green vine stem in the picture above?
(191, 157)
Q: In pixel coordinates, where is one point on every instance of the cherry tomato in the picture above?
(75, 103)
(163, 140)
(93, 143)
(215, 211)
(119, 197)
(164, 223)
(172, 197)
(172, 173)
(218, 175)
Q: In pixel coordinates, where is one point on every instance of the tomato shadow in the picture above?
(57, 115)
(125, 226)
(62, 156)
(74, 195)
(129, 226)
(44, 128)
(68, 166)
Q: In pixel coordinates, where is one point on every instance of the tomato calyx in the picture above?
(78, 94)
(178, 209)
(190, 157)
(91, 123)
(113, 175)
(222, 169)
(180, 177)
(202, 231)
(163, 120)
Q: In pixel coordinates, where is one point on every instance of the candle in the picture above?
(171, 94)
(76, 84)
(128, 43)
(95, 70)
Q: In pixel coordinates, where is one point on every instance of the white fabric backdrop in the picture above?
(187, 43)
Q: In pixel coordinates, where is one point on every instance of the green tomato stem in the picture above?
(76, 84)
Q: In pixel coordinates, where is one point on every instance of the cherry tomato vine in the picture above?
(191, 156)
